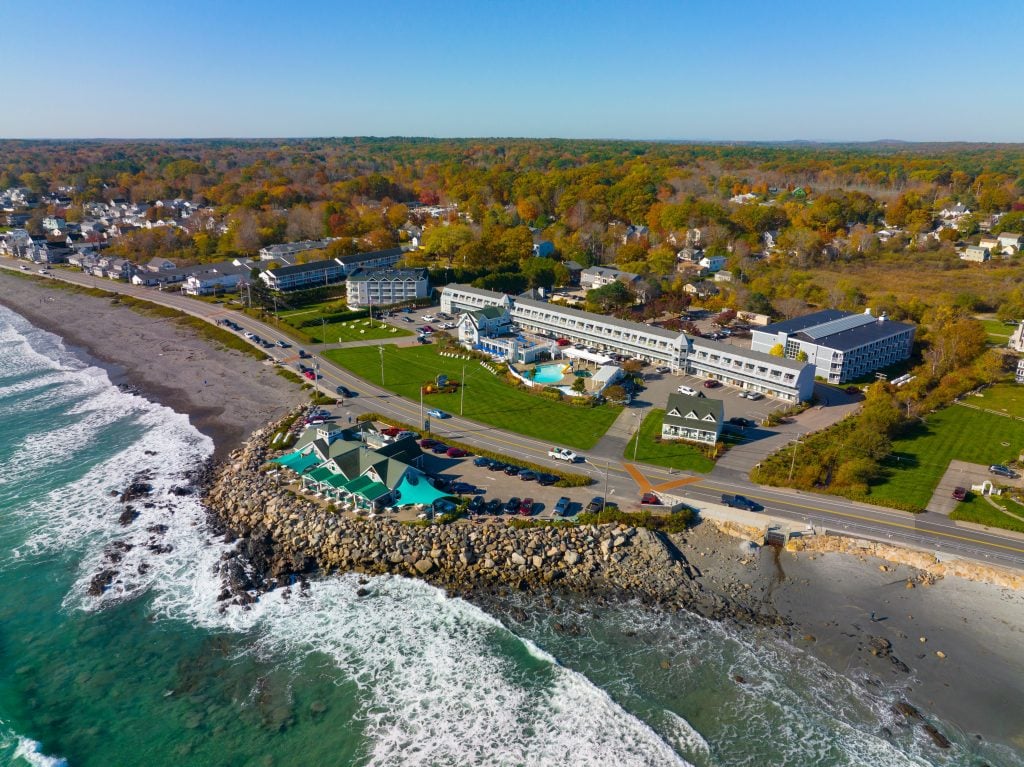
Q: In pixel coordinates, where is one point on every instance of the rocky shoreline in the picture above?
(280, 538)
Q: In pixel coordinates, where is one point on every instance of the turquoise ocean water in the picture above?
(152, 673)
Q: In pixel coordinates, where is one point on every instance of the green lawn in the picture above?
(921, 456)
(998, 332)
(674, 455)
(1003, 398)
(353, 330)
(976, 509)
(488, 398)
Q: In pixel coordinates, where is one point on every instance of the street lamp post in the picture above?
(462, 390)
(381, 350)
(604, 498)
(636, 442)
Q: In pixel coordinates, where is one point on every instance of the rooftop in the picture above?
(721, 348)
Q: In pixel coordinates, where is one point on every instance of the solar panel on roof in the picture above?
(838, 326)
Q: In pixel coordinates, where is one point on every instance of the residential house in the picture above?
(723, 276)
(1010, 242)
(713, 263)
(211, 279)
(954, 212)
(701, 289)
(989, 241)
(692, 419)
(599, 276)
(976, 253)
(375, 259)
(1020, 370)
(487, 322)
(161, 265)
(575, 270)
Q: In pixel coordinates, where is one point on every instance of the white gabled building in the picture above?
(461, 298)
(778, 377)
(693, 419)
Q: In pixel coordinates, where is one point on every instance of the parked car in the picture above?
(687, 390)
(493, 506)
(497, 466)
(423, 339)
(1002, 471)
(547, 479)
(744, 394)
(755, 395)
(513, 470)
(457, 452)
(596, 504)
(741, 422)
(741, 502)
(344, 391)
(427, 443)
(563, 342)
(526, 507)
(662, 369)
(309, 374)
(463, 488)
(562, 506)
(512, 505)
(482, 462)
(959, 493)
(439, 448)
(476, 504)
(429, 318)
(563, 454)
(435, 413)
(426, 329)
(528, 476)
(283, 344)
(711, 384)
(302, 354)
(650, 498)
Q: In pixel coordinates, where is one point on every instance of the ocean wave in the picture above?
(17, 750)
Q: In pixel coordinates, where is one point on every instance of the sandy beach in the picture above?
(225, 393)
(844, 608)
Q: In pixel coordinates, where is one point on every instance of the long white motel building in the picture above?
(778, 377)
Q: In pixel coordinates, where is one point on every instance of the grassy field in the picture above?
(978, 510)
(674, 455)
(998, 332)
(921, 456)
(353, 330)
(1002, 398)
(488, 399)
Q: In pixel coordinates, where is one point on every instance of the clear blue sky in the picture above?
(689, 69)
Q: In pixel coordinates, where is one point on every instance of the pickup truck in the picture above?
(562, 454)
(741, 502)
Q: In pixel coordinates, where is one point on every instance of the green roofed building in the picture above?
(693, 419)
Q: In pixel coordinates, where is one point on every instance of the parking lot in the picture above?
(497, 485)
(660, 385)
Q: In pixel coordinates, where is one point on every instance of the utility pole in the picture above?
(381, 350)
(604, 498)
(792, 464)
(462, 390)
(323, 329)
(421, 403)
(636, 442)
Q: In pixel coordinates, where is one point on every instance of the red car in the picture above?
(526, 507)
(457, 452)
(426, 444)
(650, 498)
(712, 384)
(426, 329)
(959, 493)
(391, 431)
(309, 374)
(563, 341)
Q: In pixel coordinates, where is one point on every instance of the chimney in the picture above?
(868, 311)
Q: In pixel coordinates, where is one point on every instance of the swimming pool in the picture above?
(550, 373)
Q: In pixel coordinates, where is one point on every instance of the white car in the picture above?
(687, 390)
(429, 318)
(563, 454)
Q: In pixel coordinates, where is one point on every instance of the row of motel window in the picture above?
(693, 434)
(553, 319)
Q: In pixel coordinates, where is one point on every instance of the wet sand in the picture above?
(225, 393)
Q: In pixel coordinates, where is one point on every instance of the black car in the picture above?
(344, 392)
(528, 476)
(497, 466)
(493, 506)
(463, 488)
(476, 504)
(512, 505)
(547, 479)
(440, 447)
(513, 470)
(595, 505)
(482, 462)
(741, 422)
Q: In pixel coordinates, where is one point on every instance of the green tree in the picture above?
(443, 242)
(579, 385)
(614, 295)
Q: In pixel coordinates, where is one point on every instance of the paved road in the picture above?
(614, 478)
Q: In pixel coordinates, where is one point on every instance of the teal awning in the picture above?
(415, 489)
(297, 462)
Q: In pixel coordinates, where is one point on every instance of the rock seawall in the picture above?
(281, 536)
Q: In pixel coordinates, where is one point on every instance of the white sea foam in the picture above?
(443, 682)
(19, 750)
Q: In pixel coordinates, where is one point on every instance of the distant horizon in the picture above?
(842, 74)
(695, 141)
